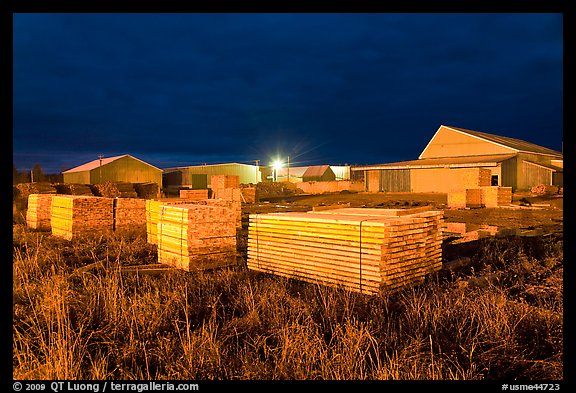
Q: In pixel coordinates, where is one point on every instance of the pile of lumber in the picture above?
(196, 237)
(194, 194)
(484, 177)
(115, 189)
(544, 189)
(228, 194)
(153, 208)
(39, 211)
(24, 190)
(147, 190)
(364, 250)
(74, 189)
(74, 215)
(249, 194)
(224, 181)
(488, 196)
(129, 214)
(234, 206)
(496, 196)
(153, 214)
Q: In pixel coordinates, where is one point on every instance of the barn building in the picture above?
(125, 168)
(184, 176)
(457, 158)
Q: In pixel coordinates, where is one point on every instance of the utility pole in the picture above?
(257, 169)
(100, 168)
(288, 168)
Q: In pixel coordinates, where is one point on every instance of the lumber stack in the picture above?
(73, 215)
(228, 194)
(39, 211)
(194, 194)
(249, 195)
(363, 250)
(235, 206)
(74, 189)
(147, 190)
(153, 215)
(24, 190)
(224, 181)
(496, 196)
(196, 237)
(544, 189)
(489, 196)
(129, 214)
(484, 177)
(115, 189)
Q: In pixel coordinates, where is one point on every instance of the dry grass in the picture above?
(238, 324)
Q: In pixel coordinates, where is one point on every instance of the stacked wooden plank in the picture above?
(196, 237)
(249, 194)
(485, 177)
(364, 251)
(224, 181)
(228, 194)
(74, 215)
(235, 206)
(115, 189)
(544, 189)
(129, 214)
(39, 211)
(147, 190)
(496, 196)
(457, 199)
(194, 194)
(74, 189)
(474, 197)
(153, 215)
(27, 189)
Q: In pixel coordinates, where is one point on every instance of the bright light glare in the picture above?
(277, 164)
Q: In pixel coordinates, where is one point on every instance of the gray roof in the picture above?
(512, 143)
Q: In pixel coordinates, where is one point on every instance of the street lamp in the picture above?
(275, 166)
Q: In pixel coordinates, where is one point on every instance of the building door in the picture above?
(494, 180)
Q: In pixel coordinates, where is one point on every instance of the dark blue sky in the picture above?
(178, 89)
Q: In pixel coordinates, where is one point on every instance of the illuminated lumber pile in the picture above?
(39, 211)
(462, 198)
(249, 194)
(153, 215)
(196, 237)
(496, 196)
(364, 250)
(115, 189)
(73, 215)
(484, 177)
(153, 212)
(129, 213)
(228, 194)
(224, 181)
(194, 194)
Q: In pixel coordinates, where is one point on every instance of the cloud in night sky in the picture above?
(177, 89)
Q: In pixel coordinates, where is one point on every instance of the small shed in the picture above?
(319, 173)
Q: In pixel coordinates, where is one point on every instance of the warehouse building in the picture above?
(125, 168)
(298, 174)
(457, 158)
(184, 176)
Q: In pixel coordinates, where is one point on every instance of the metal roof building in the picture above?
(125, 168)
(460, 158)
